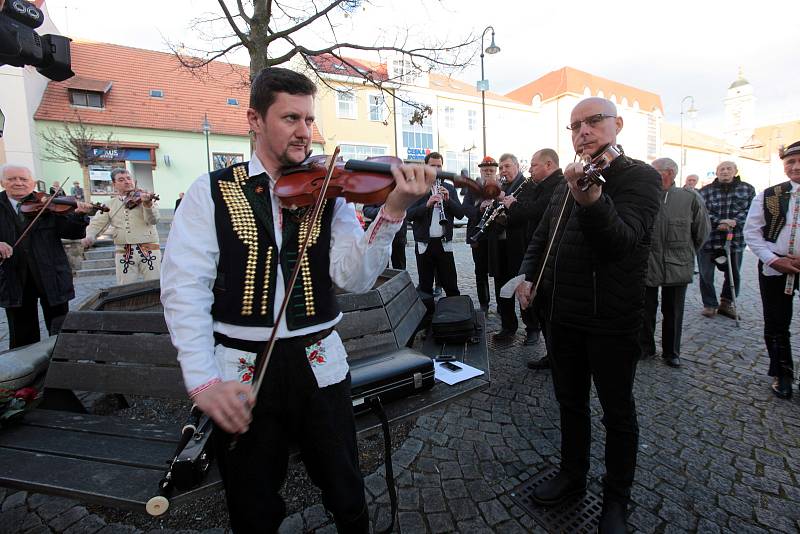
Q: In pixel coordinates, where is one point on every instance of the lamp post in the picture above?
(483, 84)
(207, 132)
(692, 112)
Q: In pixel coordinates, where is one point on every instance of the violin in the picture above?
(596, 164)
(362, 181)
(59, 205)
(134, 198)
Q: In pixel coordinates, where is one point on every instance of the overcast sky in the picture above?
(673, 48)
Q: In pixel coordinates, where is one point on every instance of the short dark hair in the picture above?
(117, 171)
(273, 80)
(548, 153)
(434, 155)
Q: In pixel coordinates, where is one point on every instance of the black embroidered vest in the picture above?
(244, 290)
(776, 206)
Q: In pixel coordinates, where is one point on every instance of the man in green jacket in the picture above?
(680, 229)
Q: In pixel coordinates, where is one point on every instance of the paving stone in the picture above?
(315, 516)
(439, 523)
(474, 526)
(87, 525)
(117, 528)
(411, 522)
(454, 489)
(432, 500)
(292, 524)
(493, 512)
(15, 500)
(53, 506)
(462, 508)
(375, 483)
(480, 491)
(32, 521)
(12, 519)
(408, 499)
(68, 518)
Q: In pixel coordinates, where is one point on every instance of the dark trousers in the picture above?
(705, 262)
(672, 300)
(777, 307)
(292, 410)
(480, 257)
(399, 252)
(577, 358)
(436, 260)
(23, 321)
(508, 307)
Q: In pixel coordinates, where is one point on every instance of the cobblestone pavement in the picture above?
(718, 453)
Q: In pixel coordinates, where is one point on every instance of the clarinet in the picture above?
(439, 205)
(497, 208)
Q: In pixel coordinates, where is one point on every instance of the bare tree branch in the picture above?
(73, 142)
(243, 37)
(242, 13)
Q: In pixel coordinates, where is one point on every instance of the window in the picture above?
(377, 108)
(449, 117)
(404, 71)
(414, 135)
(233, 102)
(361, 151)
(156, 93)
(345, 105)
(89, 99)
(455, 161)
(223, 159)
(652, 149)
(472, 120)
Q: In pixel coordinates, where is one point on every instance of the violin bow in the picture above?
(33, 222)
(266, 354)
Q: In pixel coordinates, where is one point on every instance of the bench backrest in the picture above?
(108, 348)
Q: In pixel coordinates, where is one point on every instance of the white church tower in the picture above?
(739, 112)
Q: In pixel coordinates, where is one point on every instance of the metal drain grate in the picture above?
(578, 515)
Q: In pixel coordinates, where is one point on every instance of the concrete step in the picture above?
(102, 253)
(98, 263)
(94, 272)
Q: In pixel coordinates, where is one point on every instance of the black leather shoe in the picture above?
(612, 520)
(672, 361)
(504, 335)
(557, 490)
(782, 387)
(531, 338)
(541, 363)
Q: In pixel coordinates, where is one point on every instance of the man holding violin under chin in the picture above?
(231, 249)
(592, 263)
(36, 269)
(133, 215)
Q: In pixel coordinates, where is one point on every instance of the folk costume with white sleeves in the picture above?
(772, 231)
(137, 253)
(231, 250)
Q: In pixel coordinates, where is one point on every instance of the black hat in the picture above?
(790, 150)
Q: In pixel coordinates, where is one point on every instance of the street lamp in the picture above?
(207, 132)
(483, 84)
(692, 112)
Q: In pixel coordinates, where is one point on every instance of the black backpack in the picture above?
(454, 320)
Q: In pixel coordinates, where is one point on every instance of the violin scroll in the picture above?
(134, 198)
(596, 165)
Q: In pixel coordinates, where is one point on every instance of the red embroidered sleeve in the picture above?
(199, 389)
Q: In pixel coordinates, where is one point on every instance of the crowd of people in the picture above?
(588, 250)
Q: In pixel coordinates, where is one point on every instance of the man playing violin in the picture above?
(133, 215)
(36, 269)
(594, 259)
(230, 253)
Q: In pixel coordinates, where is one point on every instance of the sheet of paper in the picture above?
(507, 291)
(450, 375)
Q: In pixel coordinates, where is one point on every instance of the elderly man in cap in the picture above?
(680, 229)
(771, 232)
(474, 206)
(727, 200)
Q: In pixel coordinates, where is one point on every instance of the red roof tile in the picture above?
(133, 72)
(569, 80)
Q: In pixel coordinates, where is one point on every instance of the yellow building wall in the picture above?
(360, 130)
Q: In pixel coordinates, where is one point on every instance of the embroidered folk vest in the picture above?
(776, 206)
(244, 290)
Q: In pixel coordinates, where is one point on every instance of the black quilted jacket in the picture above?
(594, 275)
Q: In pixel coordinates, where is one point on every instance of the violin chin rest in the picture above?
(157, 505)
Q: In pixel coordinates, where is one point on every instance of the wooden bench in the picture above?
(118, 462)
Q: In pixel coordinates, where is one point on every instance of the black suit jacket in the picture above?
(40, 254)
(420, 215)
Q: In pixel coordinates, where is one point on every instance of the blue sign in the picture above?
(120, 154)
(417, 153)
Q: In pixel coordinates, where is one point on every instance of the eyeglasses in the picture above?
(591, 121)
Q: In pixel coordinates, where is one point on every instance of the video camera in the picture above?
(21, 46)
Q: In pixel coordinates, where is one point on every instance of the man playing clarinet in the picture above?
(230, 253)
